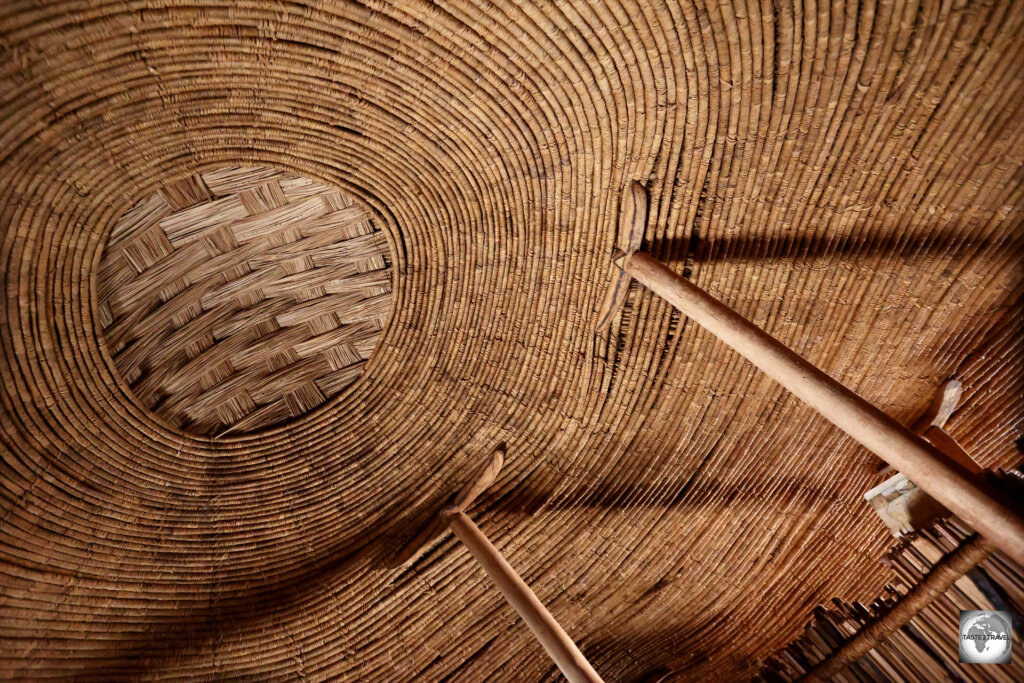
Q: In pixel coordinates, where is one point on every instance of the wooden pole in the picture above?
(946, 481)
(943, 575)
(555, 640)
(951, 448)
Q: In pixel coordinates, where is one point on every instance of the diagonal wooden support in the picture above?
(948, 482)
(934, 584)
(632, 221)
(931, 426)
(552, 637)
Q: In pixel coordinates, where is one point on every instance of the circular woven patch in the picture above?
(242, 297)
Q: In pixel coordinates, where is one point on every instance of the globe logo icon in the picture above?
(985, 637)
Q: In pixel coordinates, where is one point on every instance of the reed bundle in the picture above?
(925, 647)
(846, 174)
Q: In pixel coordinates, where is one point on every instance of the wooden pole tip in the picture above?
(944, 403)
(484, 477)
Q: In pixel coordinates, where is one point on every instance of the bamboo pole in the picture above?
(555, 640)
(946, 481)
(943, 575)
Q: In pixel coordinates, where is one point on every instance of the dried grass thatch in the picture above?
(846, 174)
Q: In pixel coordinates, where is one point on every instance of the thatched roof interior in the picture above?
(847, 175)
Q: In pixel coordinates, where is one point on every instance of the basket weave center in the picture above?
(242, 297)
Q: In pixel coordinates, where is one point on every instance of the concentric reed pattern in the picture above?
(241, 297)
(846, 174)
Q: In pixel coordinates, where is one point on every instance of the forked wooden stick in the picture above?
(483, 478)
(552, 637)
(931, 426)
(632, 221)
(945, 480)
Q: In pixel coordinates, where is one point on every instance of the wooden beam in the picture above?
(932, 425)
(555, 640)
(952, 449)
(431, 532)
(552, 637)
(949, 483)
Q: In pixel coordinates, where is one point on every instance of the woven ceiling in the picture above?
(846, 175)
(242, 297)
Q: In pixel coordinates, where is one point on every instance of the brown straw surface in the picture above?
(242, 297)
(847, 175)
